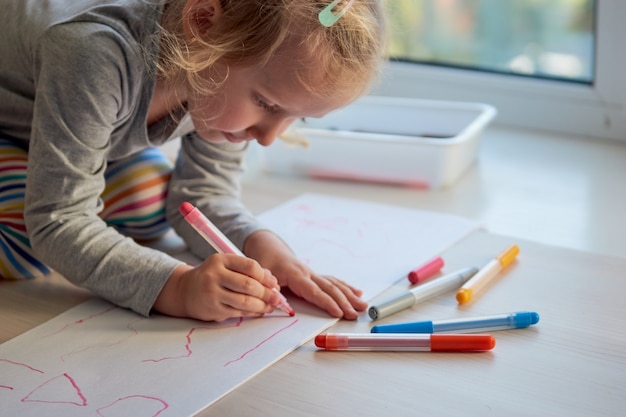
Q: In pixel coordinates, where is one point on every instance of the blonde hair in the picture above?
(347, 55)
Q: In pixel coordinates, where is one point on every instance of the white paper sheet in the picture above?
(100, 360)
(367, 244)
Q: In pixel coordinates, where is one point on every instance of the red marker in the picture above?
(406, 342)
(426, 271)
(220, 243)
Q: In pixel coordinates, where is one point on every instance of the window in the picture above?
(546, 64)
(548, 39)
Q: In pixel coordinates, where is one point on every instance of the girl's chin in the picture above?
(215, 136)
(212, 136)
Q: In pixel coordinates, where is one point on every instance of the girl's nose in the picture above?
(266, 133)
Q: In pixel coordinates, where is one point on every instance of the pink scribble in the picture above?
(30, 368)
(327, 224)
(129, 326)
(303, 207)
(125, 410)
(51, 385)
(81, 321)
(326, 243)
(188, 344)
(22, 364)
(261, 343)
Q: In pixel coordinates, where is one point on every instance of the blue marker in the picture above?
(519, 320)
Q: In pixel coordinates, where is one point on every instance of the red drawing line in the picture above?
(303, 207)
(105, 345)
(261, 343)
(188, 344)
(327, 224)
(70, 380)
(80, 321)
(165, 405)
(22, 364)
(6, 387)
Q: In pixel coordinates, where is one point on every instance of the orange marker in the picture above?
(406, 342)
(485, 274)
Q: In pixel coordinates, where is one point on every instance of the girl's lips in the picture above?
(232, 138)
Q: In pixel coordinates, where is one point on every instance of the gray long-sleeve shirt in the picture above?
(76, 80)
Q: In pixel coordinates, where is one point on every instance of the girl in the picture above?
(89, 88)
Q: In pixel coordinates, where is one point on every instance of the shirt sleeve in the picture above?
(208, 176)
(83, 94)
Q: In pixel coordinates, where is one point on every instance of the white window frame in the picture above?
(597, 110)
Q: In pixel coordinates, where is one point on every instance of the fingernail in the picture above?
(274, 299)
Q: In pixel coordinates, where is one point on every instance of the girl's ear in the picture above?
(200, 16)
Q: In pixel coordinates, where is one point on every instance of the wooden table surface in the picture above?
(572, 363)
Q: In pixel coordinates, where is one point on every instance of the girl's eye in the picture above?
(272, 109)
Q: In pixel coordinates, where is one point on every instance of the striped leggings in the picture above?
(134, 204)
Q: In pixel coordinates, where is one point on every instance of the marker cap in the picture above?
(525, 319)
(508, 255)
(414, 327)
(456, 342)
(426, 271)
(392, 306)
(464, 295)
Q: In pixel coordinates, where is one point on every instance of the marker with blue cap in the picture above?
(518, 320)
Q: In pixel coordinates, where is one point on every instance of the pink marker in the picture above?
(219, 242)
(426, 271)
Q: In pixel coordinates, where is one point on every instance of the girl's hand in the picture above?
(331, 294)
(221, 287)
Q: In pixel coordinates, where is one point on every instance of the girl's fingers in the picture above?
(247, 303)
(234, 286)
(247, 293)
(250, 268)
(332, 295)
(227, 312)
(342, 295)
(352, 293)
(247, 281)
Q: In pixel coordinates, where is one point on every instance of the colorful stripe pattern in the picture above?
(134, 197)
(16, 257)
(134, 203)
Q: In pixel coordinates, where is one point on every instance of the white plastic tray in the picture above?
(411, 142)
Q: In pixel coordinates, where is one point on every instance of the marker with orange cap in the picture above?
(405, 342)
(485, 274)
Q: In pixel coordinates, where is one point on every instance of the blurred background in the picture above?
(551, 39)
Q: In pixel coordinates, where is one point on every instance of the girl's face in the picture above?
(256, 104)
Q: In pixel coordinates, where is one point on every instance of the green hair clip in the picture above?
(328, 18)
